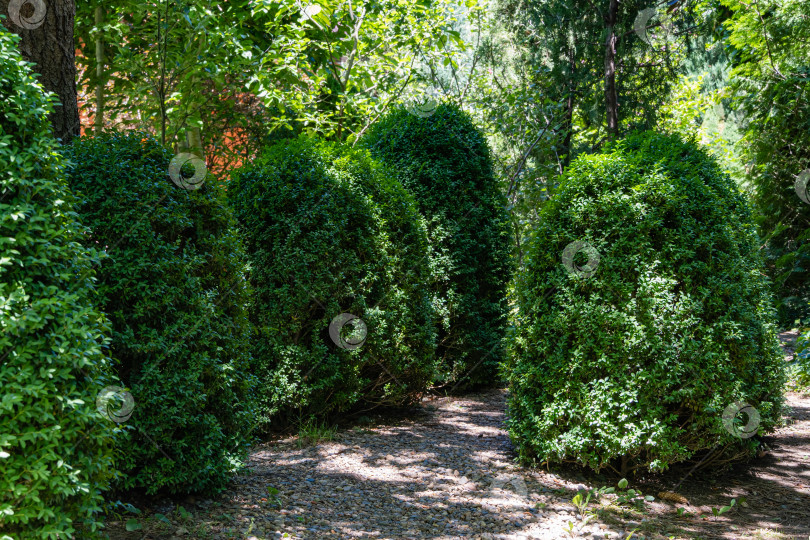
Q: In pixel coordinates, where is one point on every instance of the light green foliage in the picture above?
(56, 450)
(173, 286)
(337, 66)
(329, 231)
(717, 512)
(682, 113)
(581, 501)
(696, 111)
(770, 83)
(237, 70)
(169, 65)
(445, 162)
(312, 432)
(632, 367)
(625, 495)
(800, 368)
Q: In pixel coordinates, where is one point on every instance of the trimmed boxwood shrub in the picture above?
(173, 286)
(634, 366)
(56, 450)
(329, 232)
(444, 161)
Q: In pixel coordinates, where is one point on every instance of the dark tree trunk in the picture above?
(611, 98)
(48, 42)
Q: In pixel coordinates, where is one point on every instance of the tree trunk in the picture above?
(99, 71)
(569, 108)
(193, 142)
(611, 98)
(46, 29)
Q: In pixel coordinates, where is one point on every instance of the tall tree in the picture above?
(99, 18)
(612, 61)
(611, 97)
(46, 32)
(566, 76)
(770, 84)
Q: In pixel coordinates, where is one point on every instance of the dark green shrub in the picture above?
(56, 450)
(634, 366)
(173, 286)
(444, 161)
(328, 232)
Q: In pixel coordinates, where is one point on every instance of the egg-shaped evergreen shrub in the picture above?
(628, 354)
(444, 161)
(338, 265)
(173, 285)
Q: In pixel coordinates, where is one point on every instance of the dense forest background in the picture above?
(546, 80)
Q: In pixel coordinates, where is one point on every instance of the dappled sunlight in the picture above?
(434, 477)
(450, 475)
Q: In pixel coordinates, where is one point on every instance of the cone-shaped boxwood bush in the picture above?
(636, 362)
(56, 450)
(444, 161)
(173, 287)
(330, 232)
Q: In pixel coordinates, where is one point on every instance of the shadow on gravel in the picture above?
(447, 472)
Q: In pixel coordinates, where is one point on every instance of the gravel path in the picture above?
(447, 474)
(446, 471)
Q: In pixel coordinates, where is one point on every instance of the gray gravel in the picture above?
(449, 474)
